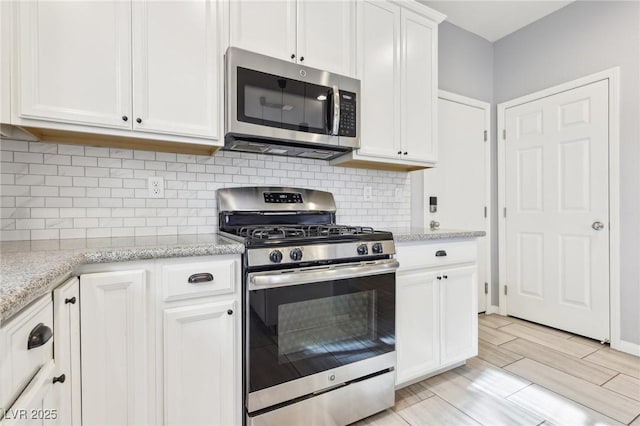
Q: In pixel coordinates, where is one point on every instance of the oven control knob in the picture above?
(275, 256)
(363, 249)
(376, 248)
(296, 255)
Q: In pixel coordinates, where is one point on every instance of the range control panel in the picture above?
(347, 114)
(282, 197)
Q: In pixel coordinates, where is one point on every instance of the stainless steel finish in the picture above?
(434, 224)
(336, 110)
(267, 139)
(281, 278)
(598, 226)
(317, 382)
(341, 406)
(250, 199)
(314, 252)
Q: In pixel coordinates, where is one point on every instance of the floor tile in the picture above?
(421, 390)
(543, 338)
(607, 402)
(404, 398)
(493, 320)
(384, 418)
(619, 361)
(547, 330)
(490, 379)
(625, 385)
(435, 411)
(496, 355)
(558, 410)
(480, 406)
(577, 367)
(493, 336)
(589, 342)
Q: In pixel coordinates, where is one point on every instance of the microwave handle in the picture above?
(335, 123)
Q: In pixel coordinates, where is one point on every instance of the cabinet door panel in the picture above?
(81, 74)
(326, 35)
(178, 74)
(199, 364)
(35, 401)
(378, 50)
(419, 86)
(115, 365)
(267, 27)
(417, 336)
(459, 319)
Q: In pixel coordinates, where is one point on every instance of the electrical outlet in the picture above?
(156, 187)
(368, 193)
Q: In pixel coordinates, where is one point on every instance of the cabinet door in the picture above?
(200, 363)
(459, 318)
(73, 62)
(327, 35)
(66, 329)
(264, 26)
(35, 405)
(419, 87)
(378, 58)
(177, 87)
(115, 365)
(417, 336)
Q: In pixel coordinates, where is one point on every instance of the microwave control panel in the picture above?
(348, 110)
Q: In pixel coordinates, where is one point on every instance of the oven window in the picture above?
(274, 101)
(300, 330)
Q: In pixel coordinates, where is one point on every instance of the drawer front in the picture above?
(418, 255)
(197, 279)
(20, 362)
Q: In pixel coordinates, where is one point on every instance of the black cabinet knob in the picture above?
(445, 277)
(399, 152)
(125, 118)
(301, 58)
(71, 300)
(60, 379)
(439, 277)
(293, 56)
(405, 153)
(230, 312)
(139, 120)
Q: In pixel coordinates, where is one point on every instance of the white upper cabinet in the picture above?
(317, 33)
(397, 45)
(177, 74)
(73, 62)
(266, 27)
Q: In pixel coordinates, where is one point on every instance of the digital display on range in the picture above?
(282, 197)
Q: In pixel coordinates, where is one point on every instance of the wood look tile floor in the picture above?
(525, 374)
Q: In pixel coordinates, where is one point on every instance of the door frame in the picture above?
(613, 76)
(486, 107)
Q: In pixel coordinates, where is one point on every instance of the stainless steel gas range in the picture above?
(318, 308)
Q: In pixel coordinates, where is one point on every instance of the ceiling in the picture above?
(493, 20)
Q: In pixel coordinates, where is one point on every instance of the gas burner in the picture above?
(330, 230)
(271, 232)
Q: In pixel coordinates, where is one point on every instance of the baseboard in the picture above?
(625, 346)
(492, 309)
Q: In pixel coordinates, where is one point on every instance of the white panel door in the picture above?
(115, 365)
(417, 325)
(200, 364)
(419, 87)
(73, 62)
(264, 26)
(556, 182)
(378, 50)
(178, 74)
(460, 179)
(327, 35)
(458, 319)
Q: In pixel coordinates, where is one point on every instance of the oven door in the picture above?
(313, 329)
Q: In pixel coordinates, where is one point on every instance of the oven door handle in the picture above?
(262, 280)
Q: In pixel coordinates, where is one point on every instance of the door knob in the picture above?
(597, 225)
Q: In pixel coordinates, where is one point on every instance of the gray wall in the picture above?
(581, 39)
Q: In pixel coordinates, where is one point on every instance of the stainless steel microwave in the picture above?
(283, 108)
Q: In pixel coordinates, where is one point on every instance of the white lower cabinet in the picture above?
(436, 319)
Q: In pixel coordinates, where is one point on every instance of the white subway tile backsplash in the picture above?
(76, 191)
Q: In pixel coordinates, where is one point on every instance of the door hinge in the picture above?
(504, 212)
(486, 288)
(485, 211)
(505, 289)
(485, 135)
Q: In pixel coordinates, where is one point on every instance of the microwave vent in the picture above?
(319, 155)
(249, 147)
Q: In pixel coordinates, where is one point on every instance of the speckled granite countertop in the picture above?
(422, 234)
(30, 269)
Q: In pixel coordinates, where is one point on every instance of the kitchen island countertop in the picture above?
(30, 269)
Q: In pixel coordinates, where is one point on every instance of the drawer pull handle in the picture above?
(71, 300)
(39, 336)
(60, 379)
(203, 277)
(441, 253)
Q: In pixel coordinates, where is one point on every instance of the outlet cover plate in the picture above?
(156, 187)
